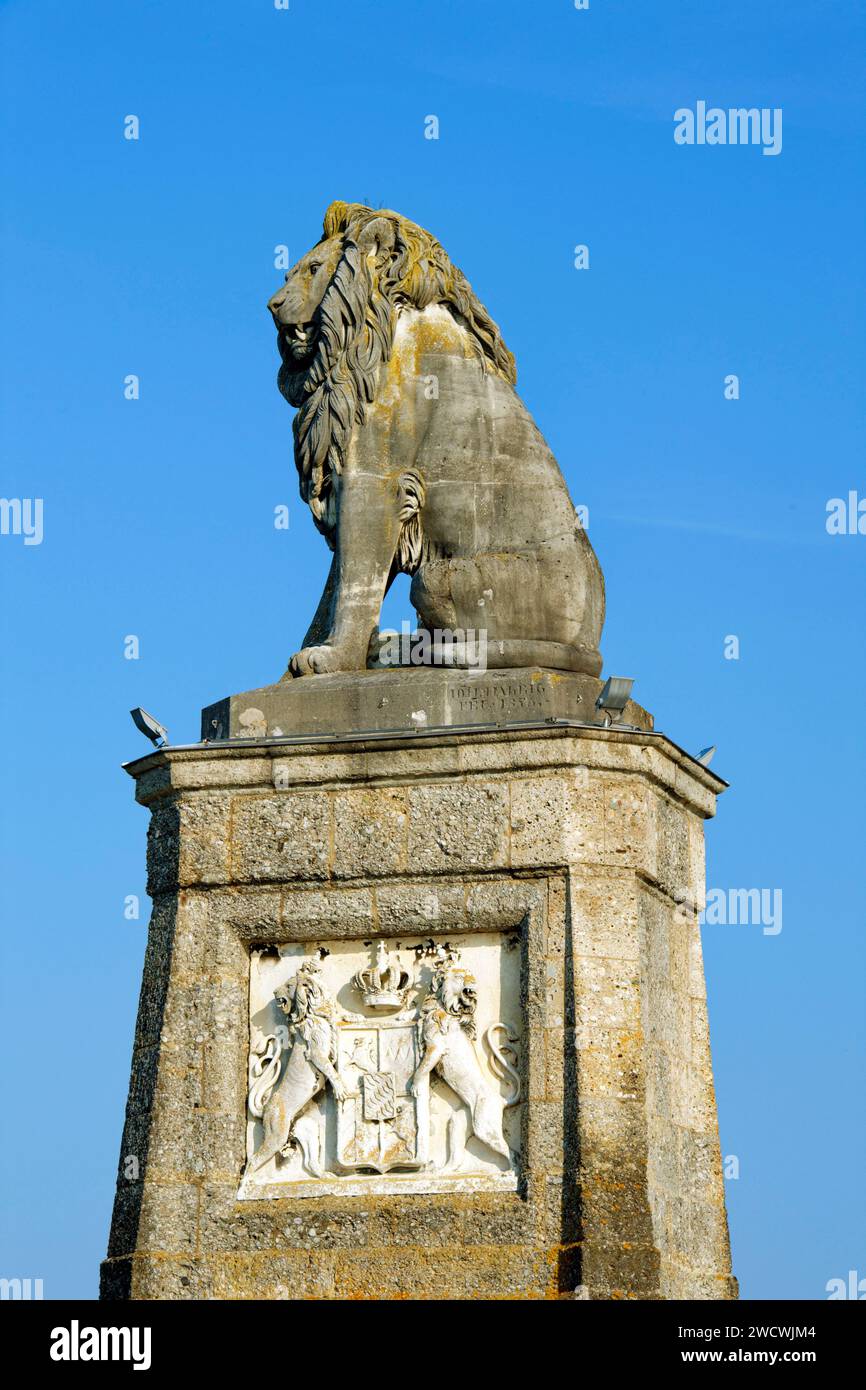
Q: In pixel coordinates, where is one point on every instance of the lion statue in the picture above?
(417, 456)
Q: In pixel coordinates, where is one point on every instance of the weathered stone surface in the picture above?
(275, 838)
(576, 849)
(188, 841)
(370, 832)
(458, 825)
(407, 700)
(575, 751)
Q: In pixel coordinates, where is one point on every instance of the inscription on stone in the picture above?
(534, 697)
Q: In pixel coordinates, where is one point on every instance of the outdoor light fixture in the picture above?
(614, 698)
(150, 727)
(706, 755)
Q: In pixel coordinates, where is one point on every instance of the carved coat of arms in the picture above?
(380, 1124)
(377, 1067)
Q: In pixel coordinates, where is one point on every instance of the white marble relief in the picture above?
(384, 1067)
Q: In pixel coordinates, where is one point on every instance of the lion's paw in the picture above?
(317, 661)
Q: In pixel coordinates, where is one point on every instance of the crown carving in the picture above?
(384, 984)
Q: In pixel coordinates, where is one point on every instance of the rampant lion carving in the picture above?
(310, 1063)
(447, 1028)
(416, 455)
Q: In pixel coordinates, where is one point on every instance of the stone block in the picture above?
(281, 837)
(456, 826)
(370, 832)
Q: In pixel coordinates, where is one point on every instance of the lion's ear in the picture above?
(379, 236)
(335, 219)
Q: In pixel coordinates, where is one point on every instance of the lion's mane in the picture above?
(306, 1006)
(355, 325)
(452, 995)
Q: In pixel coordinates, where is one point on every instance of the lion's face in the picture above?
(457, 993)
(336, 316)
(301, 995)
(295, 306)
(285, 997)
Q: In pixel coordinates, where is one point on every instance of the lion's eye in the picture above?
(314, 267)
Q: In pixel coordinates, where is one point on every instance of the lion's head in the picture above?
(335, 318)
(303, 995)
(455, 991)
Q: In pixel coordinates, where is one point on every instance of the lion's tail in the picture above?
(501, 1056)
(264, 1070)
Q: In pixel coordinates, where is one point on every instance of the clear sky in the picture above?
(155, 257)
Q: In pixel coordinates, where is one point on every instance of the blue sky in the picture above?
(156, 257)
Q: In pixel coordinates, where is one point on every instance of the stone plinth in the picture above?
(561, 870)
(406, 699)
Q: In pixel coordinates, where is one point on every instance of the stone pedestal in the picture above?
(391, 701)
(564, 868)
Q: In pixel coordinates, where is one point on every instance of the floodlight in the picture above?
(706, 755)
(614, 697)
(150, 727)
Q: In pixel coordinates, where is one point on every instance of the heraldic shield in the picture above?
(380, 1126)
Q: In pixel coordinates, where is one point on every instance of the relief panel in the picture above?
(384, 1067)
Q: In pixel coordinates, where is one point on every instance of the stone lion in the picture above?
(416, 455)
